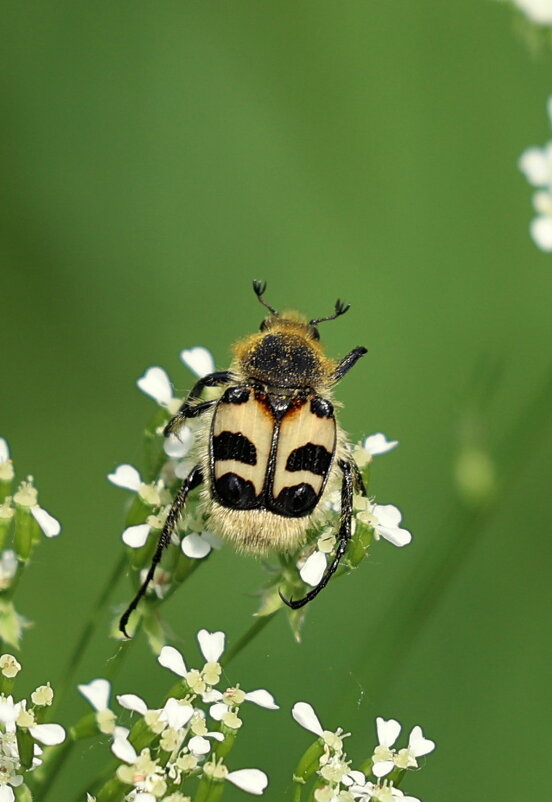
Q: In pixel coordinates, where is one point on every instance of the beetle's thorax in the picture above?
(284, 356)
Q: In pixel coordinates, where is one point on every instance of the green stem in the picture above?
(52, 764)
(258, 625)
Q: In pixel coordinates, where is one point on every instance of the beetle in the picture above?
(270, 448)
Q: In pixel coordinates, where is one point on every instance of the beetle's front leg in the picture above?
(189, 409)
(344, 537)
(194, 478)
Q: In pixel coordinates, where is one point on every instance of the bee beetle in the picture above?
(270, 448)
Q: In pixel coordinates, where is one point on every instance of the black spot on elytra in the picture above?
(235, 492)
(296, 501)
(232, 445)
(310, 457)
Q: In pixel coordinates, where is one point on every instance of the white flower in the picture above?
(8, 568)
(378, 792)
(385, 758)
(200, 682)
(157, 385)
(232, 698)
(97, 693)
(26, 497)
(303, 713)
(384, 519)
(127, 477)
(145, 774)
(178, 444)
(254, 781)
(199, 360)
(536, 164)
(372, 446)
(199, 544)
(6, 465)
(539, 11)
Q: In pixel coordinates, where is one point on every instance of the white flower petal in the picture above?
(156, 384)
(177, 444)
(48, 734)
(124, 750)
(262, 698)
(542, 202)
(218, 710)
(97, 693)
(4, 450)
(398, 537)
(125, 476)
(382, 767)
(357, 777)
(195, 546)
(535, 166)
(176, 714)
(211, 644)
(49, 525)
(313, 569)
(6, 794)
(388, 731)
(170, 658)
(541, 231)
(214, 540)
(132, 702)
(216, 736)
(199, 360)
(378, 444)
(418, 744)
(136, 536)
(212, 695)
(304, 714)
(254, 781)
(199, 745)
(387, 514)
(143, 796)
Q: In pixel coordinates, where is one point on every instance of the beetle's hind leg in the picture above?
(350, 479)
(194, 478)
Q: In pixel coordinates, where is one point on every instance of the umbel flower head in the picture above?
(336, 781)
(536, 164)
(20, 725)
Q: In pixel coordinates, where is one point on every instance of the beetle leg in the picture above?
(188, 408)
(194, 478)
(344, 536)
(347, 362)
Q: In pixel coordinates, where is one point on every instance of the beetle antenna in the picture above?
(340, 309)
(259, 288)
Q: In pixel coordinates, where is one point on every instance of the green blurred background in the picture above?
(157, 157)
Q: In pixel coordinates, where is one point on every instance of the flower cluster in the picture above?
(335, 781)
(23, 522)
(22, 731)
(536, 164)
(188, 738)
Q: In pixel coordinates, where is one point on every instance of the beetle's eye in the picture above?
(315, 333)
(263, 326)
